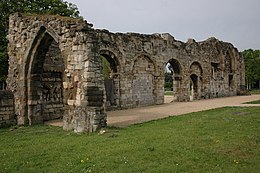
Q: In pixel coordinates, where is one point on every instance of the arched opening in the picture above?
(196, 68)
(143, 86)
(172, 81)
(45, 81)
(196, 84)
(193, 87)
(110, 67)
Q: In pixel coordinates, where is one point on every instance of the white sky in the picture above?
(235, 21)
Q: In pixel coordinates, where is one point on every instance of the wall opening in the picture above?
(196, 84)
(111, 80)
(230, 81)
(172, 80)
(3, 85)
(194, 87)
(45, 82)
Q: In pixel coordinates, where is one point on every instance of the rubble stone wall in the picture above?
(7, 116)
(215, 66)
(76, 65)
(56, 71)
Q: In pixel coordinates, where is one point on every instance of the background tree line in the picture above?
(8, 7)
(252, 65)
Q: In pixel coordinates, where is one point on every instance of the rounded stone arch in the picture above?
(147, 57)
(143, 81)
(174, 70)
(115, 53)
(196, 81)
(196, 67)
(176, 66)
(40, 95)
(112, 83)
(112, 58)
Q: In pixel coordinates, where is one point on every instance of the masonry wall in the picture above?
(33, 40)
(55, 70)
(217, 66)
(7, 116)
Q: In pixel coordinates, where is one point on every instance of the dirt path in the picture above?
(123, 118)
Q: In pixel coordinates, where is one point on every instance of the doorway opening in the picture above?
(45, 82)
(111, 80)
(172, 81)
(193, 87)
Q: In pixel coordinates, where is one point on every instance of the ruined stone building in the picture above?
(56, 70)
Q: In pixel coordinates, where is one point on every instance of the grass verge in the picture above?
(257, 91)
(253, 102)
(168, 93)
(219, 140)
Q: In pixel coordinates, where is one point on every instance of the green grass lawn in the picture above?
(168, 93)
(253, 102)
(254, 91)
(219, 140)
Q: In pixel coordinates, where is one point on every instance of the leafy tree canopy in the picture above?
(252, 65)
(8, 7)
(106, 70)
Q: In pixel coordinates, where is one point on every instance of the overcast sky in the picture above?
(235, 21)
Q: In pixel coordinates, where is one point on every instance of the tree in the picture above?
(106, 70)
(252, 65)
(168, 81)
(8, 7)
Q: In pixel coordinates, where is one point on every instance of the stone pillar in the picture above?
(85, 110)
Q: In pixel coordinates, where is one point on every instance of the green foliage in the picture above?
(106, 68)
(256, 91)
(252, 65)
(219, 140)
(3, 65)
(168, 93)
(8, 7)
(168, 81)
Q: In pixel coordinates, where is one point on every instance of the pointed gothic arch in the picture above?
(43, 74)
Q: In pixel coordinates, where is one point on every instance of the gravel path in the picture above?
(123, 118)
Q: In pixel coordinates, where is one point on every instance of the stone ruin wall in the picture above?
(55, 70)
(7, 116)
(217, 67)
(36, 83)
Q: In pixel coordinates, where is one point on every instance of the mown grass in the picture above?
(253, 102)
(219, 140)
(256, 91)
(168, 93)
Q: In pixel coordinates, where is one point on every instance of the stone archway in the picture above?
(174, 67)
(143, 85)
(111, 79)
(37, 86)
(44, 80)
(196, 87)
